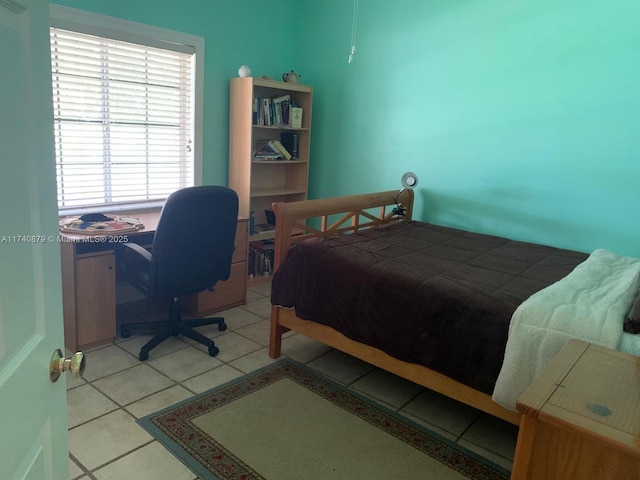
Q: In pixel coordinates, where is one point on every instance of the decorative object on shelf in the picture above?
(408, 181)
(291, 77)
(244, 71)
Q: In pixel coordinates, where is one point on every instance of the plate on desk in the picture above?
(113, 225)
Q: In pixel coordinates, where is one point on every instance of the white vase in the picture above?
(244, 71)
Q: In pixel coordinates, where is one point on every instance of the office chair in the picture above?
(191, 251)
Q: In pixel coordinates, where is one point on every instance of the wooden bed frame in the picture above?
(296, 221)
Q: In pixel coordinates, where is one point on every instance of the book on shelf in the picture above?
(295, 117)
(282, 98)
(271, 150)
(255, 111)
(268, 111)
(261, 254)
(261, 245)
(282, 149)
(280, 108)
(263, 227)
(267, 150)
(290, 141)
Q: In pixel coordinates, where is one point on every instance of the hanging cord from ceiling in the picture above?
(354, 26)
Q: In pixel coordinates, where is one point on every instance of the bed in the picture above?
(472, 284)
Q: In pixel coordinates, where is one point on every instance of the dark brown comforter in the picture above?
(436, 296)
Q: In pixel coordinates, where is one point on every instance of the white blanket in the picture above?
(588, 304)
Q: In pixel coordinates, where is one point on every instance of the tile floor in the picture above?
(106, 443)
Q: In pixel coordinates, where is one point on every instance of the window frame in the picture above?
(102, 25)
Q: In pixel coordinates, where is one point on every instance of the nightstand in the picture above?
(581, 418)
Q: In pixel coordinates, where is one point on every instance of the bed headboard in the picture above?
(296, 221)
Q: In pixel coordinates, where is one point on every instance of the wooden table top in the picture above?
(591, 389)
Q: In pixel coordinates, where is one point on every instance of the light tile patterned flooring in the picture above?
(106, 443)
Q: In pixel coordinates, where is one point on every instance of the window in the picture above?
(124, 118)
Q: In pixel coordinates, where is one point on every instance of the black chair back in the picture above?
(194, 240)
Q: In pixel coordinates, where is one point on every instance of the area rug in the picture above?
(287, 422)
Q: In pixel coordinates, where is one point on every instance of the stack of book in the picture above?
(261, 256)
(271, 150)
(270, 111)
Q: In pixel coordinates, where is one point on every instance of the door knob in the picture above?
(59, 364)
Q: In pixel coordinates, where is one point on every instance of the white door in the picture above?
(33, 415)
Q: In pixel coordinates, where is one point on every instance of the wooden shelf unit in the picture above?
(259, 183)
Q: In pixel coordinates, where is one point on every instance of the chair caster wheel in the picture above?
(213, 350)
(222, 326)
(143, 355)
(125, 332)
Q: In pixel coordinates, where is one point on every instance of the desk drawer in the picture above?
(95, 309)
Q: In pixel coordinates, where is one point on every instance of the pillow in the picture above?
(632, 323)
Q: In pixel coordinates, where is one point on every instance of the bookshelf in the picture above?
(253, 121)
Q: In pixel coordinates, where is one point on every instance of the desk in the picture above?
(89, 284)
(581, 418)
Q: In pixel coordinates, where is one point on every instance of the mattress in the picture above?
(437, 296)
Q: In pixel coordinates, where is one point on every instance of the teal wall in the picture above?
(521, 118)
(252, 32)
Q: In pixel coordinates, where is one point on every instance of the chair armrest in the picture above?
(144, 253)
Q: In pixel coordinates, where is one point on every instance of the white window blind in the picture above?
(123, 120)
